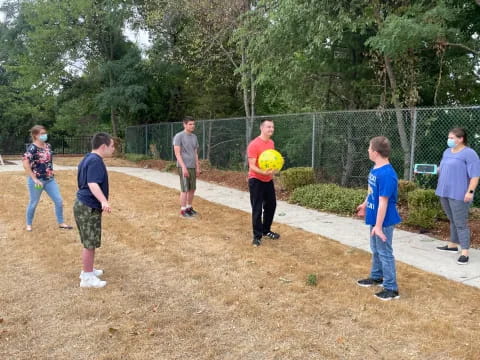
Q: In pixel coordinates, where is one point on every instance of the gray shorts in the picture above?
(89, 223)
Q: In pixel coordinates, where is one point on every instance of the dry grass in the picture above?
(196, 289)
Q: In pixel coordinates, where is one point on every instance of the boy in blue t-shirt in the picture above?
(380, 211)
(92, 200)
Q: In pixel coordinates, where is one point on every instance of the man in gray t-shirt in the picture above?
(185, 145)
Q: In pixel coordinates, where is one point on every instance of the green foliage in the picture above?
(329, 197)
(404, 188)
(296, 177)
(137, 157)
(170, 166)
(424, 208)
(312, 280)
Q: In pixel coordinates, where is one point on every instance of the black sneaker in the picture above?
(446, 248)
(185, 214)
(191, 211)
(370, 282)
(387, 295)
(256, 241)
(272, 235)
(462, 260)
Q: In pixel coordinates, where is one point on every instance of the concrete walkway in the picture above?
(410, 248)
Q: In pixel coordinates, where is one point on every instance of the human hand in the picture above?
(106, 207)
(185, 172)
(468, 197)
(377, 230)
(361, 209)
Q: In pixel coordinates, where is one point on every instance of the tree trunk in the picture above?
(400, 121)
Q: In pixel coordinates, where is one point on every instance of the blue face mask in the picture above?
(451, 143)
(43, 137)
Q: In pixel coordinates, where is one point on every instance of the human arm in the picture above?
(471, 189)
(98, 193)
(197, 163)
(361, 208)
(382, 211)
(28, 170)
(252, 164)
(178, 154)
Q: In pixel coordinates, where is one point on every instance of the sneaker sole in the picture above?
(367, 286)
(388, 299)
(462, 263)
(449, 251)
(92, 287)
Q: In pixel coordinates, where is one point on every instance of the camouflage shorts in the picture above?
(89, 223)
(190, 182)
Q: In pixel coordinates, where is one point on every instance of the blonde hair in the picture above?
(34, 131)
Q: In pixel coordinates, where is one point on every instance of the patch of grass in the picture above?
(312, 280)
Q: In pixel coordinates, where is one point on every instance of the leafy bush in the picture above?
(424, 208)
(170, 166)
(404, 188)
(137, 157)
(297, 177)
(329, 197)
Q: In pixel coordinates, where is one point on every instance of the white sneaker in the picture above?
(92, 282)
(96, 272)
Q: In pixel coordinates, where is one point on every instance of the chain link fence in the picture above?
(334, 143)
(65, 145)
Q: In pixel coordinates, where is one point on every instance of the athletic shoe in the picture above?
(446, 248)
(92, 282)
(96, 272)
(370, 282)
(462, 260)
(387, 295)
(272, 235)
(256, 241)
(185, 214)
(191, 211)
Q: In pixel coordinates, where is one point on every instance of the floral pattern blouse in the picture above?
(40, 160)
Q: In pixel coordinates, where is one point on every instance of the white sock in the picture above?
(86, 275)
(183, 208)
(189, 206)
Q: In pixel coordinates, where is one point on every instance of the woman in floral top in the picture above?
(37, 162)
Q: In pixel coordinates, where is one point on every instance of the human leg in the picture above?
(376, 271)
(52, 189)
(34, 194)
(89, 223)
(269, 206)
(256, 201)
(385, 254)
(445, 202)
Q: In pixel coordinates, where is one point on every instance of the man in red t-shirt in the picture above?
(260, 184)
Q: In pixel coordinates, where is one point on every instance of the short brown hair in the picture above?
(100, 139)
(460, 133)
(35, 130)
(187, 119)
(381, 145)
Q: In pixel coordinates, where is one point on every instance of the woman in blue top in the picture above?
(458, 177)
(37, 162)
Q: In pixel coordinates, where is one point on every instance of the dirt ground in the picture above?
(196, 289)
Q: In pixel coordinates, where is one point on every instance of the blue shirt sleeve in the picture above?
(473, 164)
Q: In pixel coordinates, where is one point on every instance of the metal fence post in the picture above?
(171, 141)
(412, 144)
(146, 139)
(203, 141)
(313, 140)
